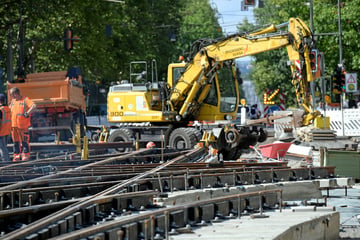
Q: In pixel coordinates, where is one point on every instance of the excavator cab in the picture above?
(217, 97)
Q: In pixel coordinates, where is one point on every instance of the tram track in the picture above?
(61, 195)
(19, 233)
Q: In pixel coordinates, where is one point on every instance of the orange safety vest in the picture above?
(18, 108)
(5, 127)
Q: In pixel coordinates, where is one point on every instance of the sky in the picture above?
(230, 14)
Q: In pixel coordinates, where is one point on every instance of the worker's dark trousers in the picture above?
(4, 153)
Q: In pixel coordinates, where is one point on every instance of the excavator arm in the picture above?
(194, 84)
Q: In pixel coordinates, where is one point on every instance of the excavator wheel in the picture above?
(232, 154)
(121, 135)
(182, 138)
(167, 134)
(263, 134)
(197, 133)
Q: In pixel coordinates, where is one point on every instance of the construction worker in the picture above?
(5, 128)
(21, 108)
(254, 112)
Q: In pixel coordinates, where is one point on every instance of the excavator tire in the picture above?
(182, 138)
(232, 154)
(197, 133)
(167, 134)
(263, 134)
(121, 135)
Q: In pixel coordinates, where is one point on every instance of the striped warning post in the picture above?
(282, 101)
(266, 107)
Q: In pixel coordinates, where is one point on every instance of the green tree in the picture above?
(111, 34)
(270, 70)
(326, 21)
(198, 21)
(43, 25)
(135, 30)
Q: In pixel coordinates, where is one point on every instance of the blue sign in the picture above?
(272, 109)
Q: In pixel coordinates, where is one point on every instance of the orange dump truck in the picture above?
(60, 103)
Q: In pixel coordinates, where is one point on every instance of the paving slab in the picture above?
(283, 225)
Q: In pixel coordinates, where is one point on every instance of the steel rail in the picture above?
(217, 177)
(21, 233)
(77, 169)
(179, 182)
(151, 215)
(55, 205)
(98, 171)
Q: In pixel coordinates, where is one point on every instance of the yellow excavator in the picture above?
(200, 99)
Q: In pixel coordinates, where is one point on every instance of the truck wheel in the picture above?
(121, 135)
(182, 138)
(95, 136)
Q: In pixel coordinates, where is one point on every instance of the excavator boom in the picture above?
(208, 59)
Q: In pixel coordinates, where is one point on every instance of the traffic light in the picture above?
(342, 81)
(249, 2)
(336, 78)
(314, 60)
(335, 86)
(68, 40)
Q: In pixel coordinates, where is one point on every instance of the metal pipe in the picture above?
(341, 65)
(312, 85)
(340, 33)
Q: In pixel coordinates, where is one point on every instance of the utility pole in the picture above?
(9, 54)
(340, 34)
(341, 65)
(312, 84)
(20, 67)
(311, 17)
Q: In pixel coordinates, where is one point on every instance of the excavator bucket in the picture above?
(208, 138)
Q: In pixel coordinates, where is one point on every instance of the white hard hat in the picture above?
(150, 145)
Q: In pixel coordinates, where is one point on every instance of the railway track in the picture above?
(111, 192)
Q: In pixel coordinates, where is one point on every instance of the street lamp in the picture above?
(312, 85)
(340, 33)
(341, 65)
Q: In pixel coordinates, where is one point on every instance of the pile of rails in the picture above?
(311, 134)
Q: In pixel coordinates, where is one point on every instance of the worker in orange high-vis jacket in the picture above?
(5, 128)
(21, 108)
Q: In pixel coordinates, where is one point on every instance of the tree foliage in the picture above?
(111, 34)
(270, 69)
(327, 22)
(198, 20)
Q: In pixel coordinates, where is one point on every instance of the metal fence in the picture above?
(350, 117)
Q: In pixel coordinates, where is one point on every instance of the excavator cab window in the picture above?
(227, 91)
(176, 73)
(212, 97)
(228, 95)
